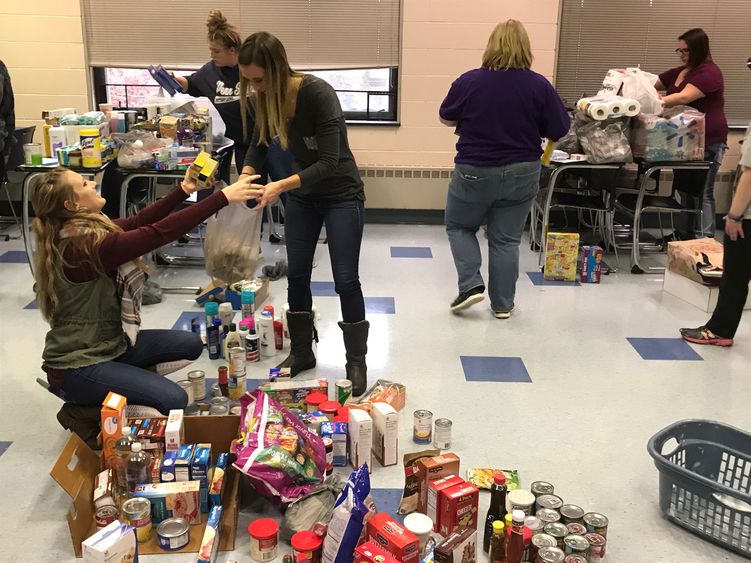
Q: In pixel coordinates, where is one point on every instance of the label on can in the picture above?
(236, 362)
(236, 387)
(442, 435)
(105, 515)
(422, 429)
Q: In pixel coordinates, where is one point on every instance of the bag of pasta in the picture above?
(233, 243)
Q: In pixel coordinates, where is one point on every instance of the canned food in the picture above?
(575, 558)
(218, 410)
(596, 523)
(422, 428)
(576, 544)
(442, 434)
(223, 401)
(519, 499)
(216, 391)
(539, 488)
(548, 501)
(576, 528)
(534, 524)
(558, 531)
(539, 541)
(187, 386)
(173, 533)
(343, 390)
(137, 513)
(105, 515)
(198, 379)
(550, 555)
(548, 515)
(597, 545)
(571, 513)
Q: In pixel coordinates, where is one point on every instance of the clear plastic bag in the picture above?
(640, 86)
(233, 243)
(135, 149)
(604, 142)
(677, 134)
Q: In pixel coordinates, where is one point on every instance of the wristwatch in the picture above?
(735, 218)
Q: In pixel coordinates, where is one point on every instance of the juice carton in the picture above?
(360, 438)
(387, 534)
(200, 467)
(113, 411)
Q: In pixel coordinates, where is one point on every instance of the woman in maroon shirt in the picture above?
(699, 83)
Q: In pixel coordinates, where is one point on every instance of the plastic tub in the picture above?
(307, 546)
(264, 539)
(705, 480)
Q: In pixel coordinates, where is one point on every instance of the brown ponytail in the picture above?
(221, 31)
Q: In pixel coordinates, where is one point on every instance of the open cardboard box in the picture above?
(77, 466)
(214, 289)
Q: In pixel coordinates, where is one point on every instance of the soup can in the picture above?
(105, 515)
(548, 501)
(538, 542)
(575, 558)
(519, 499)
(576, 544)
(571, 513)
(422, 428)
(597, 545)
(137, 513)
(188, 388)
(198, 380)
(596, 523)
(541, 488)
(173, 533)
(558, 531)
(534, 524)
(576, 528)
(442, 434)
(550, 555)
(548, 515)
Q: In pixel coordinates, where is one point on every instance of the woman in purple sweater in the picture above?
(699, 83)
(502, 111)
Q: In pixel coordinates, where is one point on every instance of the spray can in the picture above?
(266, 335)
(213, 340)
(212, 310)
(252, 353)
(248, 303)
(278, 335)
(226, 313)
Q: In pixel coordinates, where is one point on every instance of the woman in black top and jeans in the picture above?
(303, 113)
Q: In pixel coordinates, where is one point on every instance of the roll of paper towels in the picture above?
(632, 108)
(615, 108)
(596, 108)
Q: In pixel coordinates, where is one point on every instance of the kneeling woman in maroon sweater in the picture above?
(89, 282)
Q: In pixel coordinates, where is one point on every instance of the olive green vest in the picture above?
(86, 327)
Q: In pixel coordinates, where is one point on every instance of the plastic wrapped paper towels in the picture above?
(601, 108)
(677, 134)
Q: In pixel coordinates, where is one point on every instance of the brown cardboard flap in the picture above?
(219, 431)
(76, 465)
(81, 519)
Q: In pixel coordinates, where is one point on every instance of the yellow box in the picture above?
(195, 169)
(204, 178)
(168, 126)
(113, 411)
(561, 255)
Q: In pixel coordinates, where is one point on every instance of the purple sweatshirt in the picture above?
(502, 115)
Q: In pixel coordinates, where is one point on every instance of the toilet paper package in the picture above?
(675, 135)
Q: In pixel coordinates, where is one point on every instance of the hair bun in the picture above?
(216, 21)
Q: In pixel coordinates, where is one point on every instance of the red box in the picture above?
(434, 497)
(432, 468)
(387, 534)
(369, 552)
(459, 507)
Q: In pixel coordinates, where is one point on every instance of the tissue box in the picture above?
(385, 433)
(591, 262)
(114, 544)
(562, 250)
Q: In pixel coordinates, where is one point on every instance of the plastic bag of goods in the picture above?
(232, 248)
(640, 86)
(281, 457)
(316, 506)
(604, 142)
(136, 148)
(677, 134)
(569, 142)
(348, 520)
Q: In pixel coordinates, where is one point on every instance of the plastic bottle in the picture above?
(232, 341)
(497, 544)
(497, 510)
(123, 447)
(138, 467)
(252, 354)
(515, 546)
(212, 310)
(58, 139)
(248, 304)
(172, 162)
(213, 340)
(225, 313)
(223, 380)
(266, 335)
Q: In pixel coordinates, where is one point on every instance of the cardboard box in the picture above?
(113, 411)
(212, 537)
(217, 480)
(459, 547)
(432, 468)
(699, 295)
(385, 433)
(221, 293)
(683, 255)
(174, 431)
(434, 497)
(168, 467)
(459, 507)
(562, 251)
(337, 431)
(182, 462)
(291, 393)
(591, 264)
(77, 466)
(200, 467)
(387, 534)
(179, 499)
(369, 552)
(360, 439)
(112, 544)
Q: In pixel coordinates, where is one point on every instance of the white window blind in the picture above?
(318, 34)
(596, 35)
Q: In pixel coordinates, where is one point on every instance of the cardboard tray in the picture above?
(77, 466)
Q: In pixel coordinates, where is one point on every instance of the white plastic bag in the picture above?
(640, 86)
(233, 243)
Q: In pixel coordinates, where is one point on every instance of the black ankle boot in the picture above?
(302, 333)
(84, 421)
(356, 345)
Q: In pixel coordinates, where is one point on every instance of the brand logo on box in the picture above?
(464, 510)
(465, 498)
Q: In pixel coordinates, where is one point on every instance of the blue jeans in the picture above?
(500, 196)
(129, 375)
(714, 154)
(344, 227)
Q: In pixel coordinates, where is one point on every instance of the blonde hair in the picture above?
(221, 31)
(508, 47)
(85, 230)
(274, 109)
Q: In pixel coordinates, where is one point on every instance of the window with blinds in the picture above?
(596, 35)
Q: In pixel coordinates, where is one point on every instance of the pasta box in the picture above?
(393, 538)
(432, 468)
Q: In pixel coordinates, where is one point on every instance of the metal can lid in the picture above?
(596, 519)
(328, 442)
(544, 540)
(196, 374)
(576, 528)
(542, 488)
(173, 527)
(184, 383)
(556, 529)
(551, 555)
(220, 400)
(595, 540)
(443, 422)
(422, 413)
(106, 510)
(136, 506)
(575, 558)
(343, 383)
(579, 543)
(533, 523)
(236, 410)
(218, 409)
(550, 501)
(571, 511)
(548, 515)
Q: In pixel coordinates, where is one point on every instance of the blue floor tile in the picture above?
(32, 305)
(538, 278)
(498, 369)
(322, 289)
(387, 500)
(14, 257)
(411, 252)
(4, 446)
(380, 305)
(185, 319)
(664, 349)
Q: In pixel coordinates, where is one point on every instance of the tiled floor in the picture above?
(582, 423)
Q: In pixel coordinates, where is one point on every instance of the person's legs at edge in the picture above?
(156, 346)
(713, 153)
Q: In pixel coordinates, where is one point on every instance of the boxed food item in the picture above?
(385, 433)
(156, 468)
(369, 552)
(434, 497)
(459, 547)
(113, 544)
(217, 480)
(182, 462)
(198, 163)
(387, 534)
(210, 540)
(291, 393)
(168, 467)
(591, 264)
(337, 431)
(458, 507)
(562, 251)
(430, 469)
(113, 411)
(207, 172)
(200, 466)
(174, 431)
(104, 489)
(360, 438)
(313, 421)
(179, 500)
(168, 126)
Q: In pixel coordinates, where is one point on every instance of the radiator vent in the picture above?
(412, 173)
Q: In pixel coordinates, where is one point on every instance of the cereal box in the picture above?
(387, 534)
(459, 547)
(113, 411)
(562, 251)
(181, 499)
(591, 264)
(291, 393)
(432, 468)
(458, 507)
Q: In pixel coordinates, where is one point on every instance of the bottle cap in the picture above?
(518, 516)
(136, 447)
(125, 431)
(499, 478)
(232, 327)
(498, 527)
(211, 308)
(508, 519)
(217, 322)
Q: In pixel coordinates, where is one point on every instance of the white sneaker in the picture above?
(502, 314)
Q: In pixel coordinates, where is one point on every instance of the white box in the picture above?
(702, 296)
(113, 544)
(385, 433)
(360, 438)
(174, 432)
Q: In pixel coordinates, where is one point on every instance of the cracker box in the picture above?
(432, 468)
(458, 507)
(182, 462)
(393, 538)
(200, 466)
(168, 467)
(562, 251)
(210, 541)
(114, 543)
(199, 162)
(172, 500)
(434, 497)
(459, 547)
(385, 433)
(174, 431)
(369, 552)
(591, 264)
(337, 431)
(113, 412)
(291, 393)
(360, 438)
